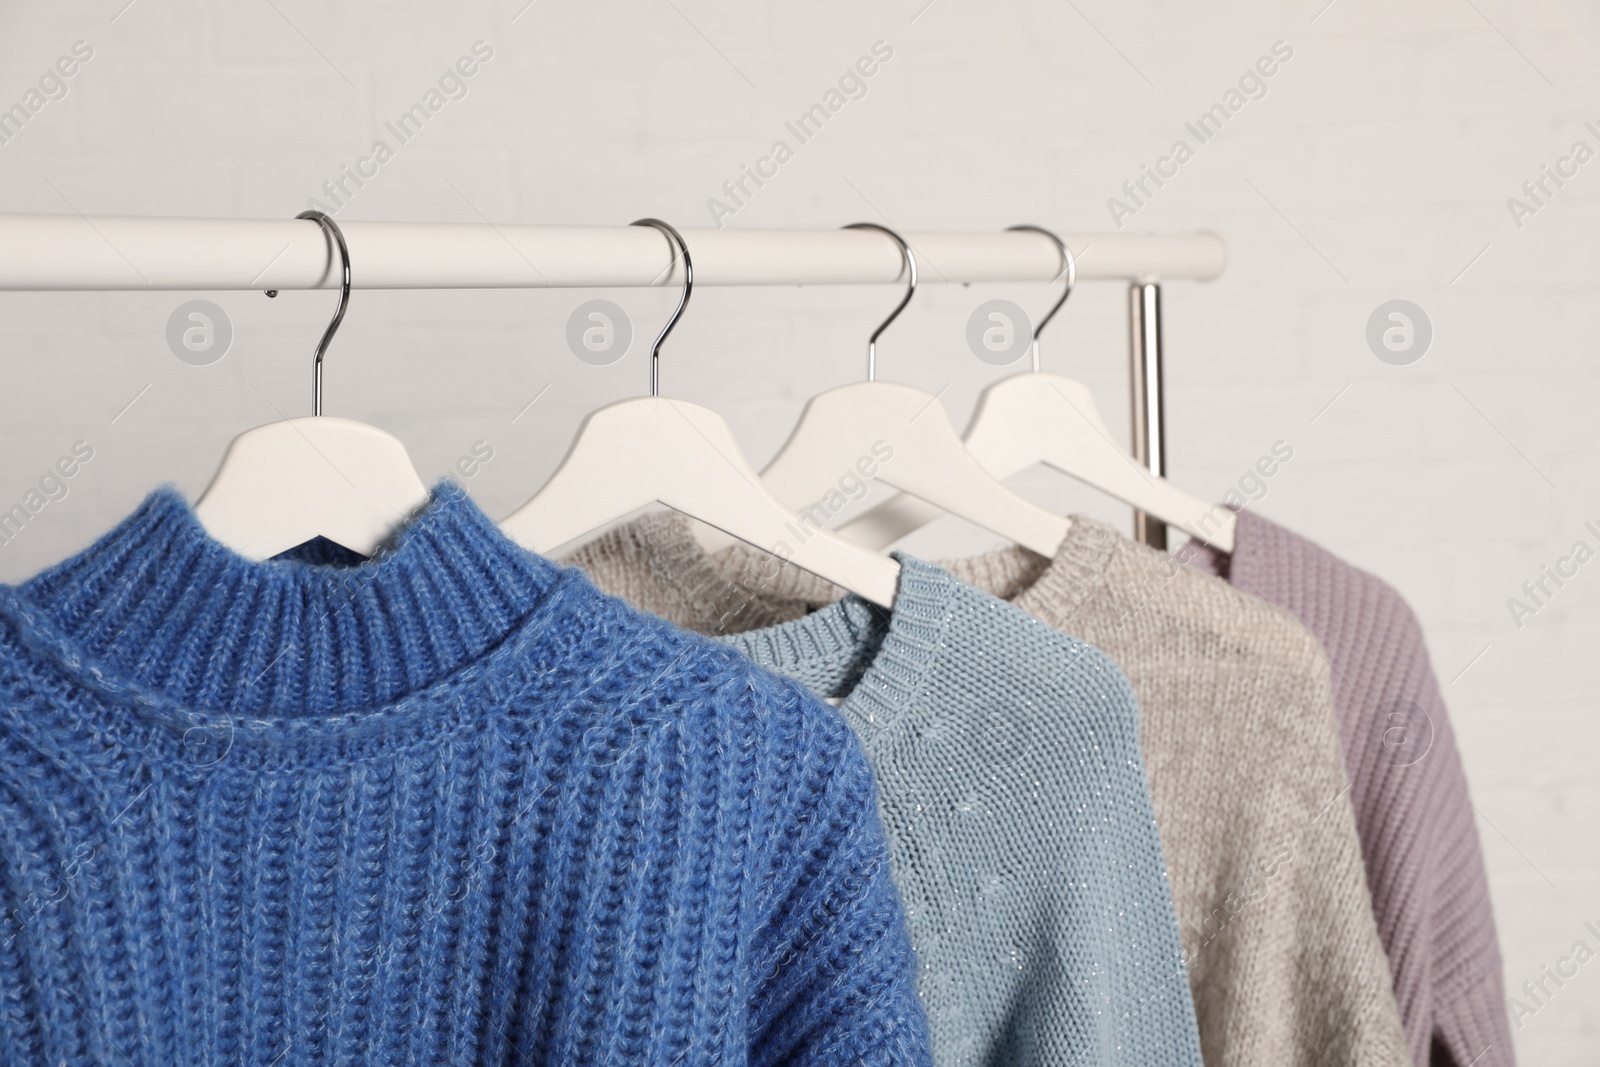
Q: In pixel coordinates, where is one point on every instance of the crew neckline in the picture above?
(715, 587)
(1054, 587)
(874, 661)
(187, 644)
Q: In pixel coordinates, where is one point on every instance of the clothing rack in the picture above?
(123, 253)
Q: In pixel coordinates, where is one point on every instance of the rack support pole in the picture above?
(1149, 418)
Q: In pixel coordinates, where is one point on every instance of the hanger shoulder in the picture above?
(282, 484)
(1047, 418)
(653, 449)
(902, 436)
(1018, 422)
(1051, 419)
(603, 477)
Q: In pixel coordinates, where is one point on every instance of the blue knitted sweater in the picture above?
(451, 806)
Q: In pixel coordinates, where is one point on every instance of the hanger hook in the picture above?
(331, 228)
(909, 262)
(683, 300)
(1069, 267)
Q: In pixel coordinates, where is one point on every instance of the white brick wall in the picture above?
(1381, 159)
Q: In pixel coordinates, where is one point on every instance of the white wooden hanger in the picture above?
(1047, 418)
(655, 450)
(844, 426)
(282, 484)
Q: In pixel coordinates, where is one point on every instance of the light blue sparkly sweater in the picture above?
(452, 806)
(1021, 829)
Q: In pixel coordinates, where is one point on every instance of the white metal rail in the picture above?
(57, 252)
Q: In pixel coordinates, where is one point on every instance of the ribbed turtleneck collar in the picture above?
(158, 604)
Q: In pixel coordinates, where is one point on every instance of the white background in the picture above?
(1377, 166)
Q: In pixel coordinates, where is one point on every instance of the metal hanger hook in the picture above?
(331, 228)
(676, 238)
(909, 262)
(1069, 267)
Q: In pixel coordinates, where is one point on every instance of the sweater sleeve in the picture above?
(831, 968)
(1339, 998)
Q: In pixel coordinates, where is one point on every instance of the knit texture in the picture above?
(1430, 892)
(451, 806)
(1020, 825)
(1245, 769)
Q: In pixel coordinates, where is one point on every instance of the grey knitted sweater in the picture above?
(1022, 836)
(1240, 744)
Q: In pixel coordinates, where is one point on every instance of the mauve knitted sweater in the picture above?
(1424, 865)
(452, 806)
(1021, 832)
